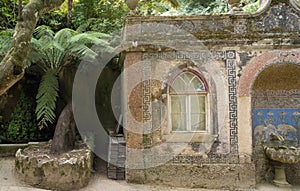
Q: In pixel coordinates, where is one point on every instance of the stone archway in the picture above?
(269, 99)
(275, 99)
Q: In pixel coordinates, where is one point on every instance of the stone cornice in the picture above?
(276, 19)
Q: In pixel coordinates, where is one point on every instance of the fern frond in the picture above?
(63, 36)
(46, 98)
(5, 40)
(7, 32)
(43, 31)
(98, 34)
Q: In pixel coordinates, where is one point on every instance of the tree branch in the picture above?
(13, 64)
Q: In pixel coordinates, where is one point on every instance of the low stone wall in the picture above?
(8, 150)
(69, 171)
(211, 176)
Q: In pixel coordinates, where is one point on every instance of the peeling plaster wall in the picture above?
(230, 51)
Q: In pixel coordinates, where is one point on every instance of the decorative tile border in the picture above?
(232, 87)
(228, 56)
(276, 99)
(147, 107)
(189, 55)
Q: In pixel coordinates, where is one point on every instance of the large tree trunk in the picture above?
(12, 66)
(65, 132)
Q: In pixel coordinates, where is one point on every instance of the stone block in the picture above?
(68, 171)
(210, 176)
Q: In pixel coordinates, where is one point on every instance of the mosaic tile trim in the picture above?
(232, 85)
(230, 58)
(188, 55)
(276, 99)
(147, 108)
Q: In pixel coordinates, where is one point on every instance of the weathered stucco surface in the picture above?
(224, 176)
(230, 52)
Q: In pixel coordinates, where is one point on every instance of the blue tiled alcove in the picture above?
(283, 121)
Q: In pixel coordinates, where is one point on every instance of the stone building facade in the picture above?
(201, 93)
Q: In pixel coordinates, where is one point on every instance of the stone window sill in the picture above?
(190, 137)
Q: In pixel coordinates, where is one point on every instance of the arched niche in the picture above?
(275, 109)
(250, 73)
(275, 99)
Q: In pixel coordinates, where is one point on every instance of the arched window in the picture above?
(188, 93)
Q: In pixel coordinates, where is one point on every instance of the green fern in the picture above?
(43, 31)
(46, 98)
(51, 52)
(5, 41)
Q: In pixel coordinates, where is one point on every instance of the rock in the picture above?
(69, 171)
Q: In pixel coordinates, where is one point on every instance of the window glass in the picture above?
(187, 82)
(188, 103)
(198, 114)
(178, 112)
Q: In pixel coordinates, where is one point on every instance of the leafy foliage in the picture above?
(251, 5)
(200, 7)
(8, 14)
(51, 52)
(197, 7)
(56, 20)
(156, 7)
(5, 41)
(46, 98)
(104, 16)
(23, 126)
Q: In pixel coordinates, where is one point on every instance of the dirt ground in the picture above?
(100, 182)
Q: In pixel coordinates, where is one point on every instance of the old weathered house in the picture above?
(202, 93)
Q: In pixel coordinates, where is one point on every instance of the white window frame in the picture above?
(188, 106)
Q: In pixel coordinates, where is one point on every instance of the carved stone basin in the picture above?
(283, 154)
(280, 155)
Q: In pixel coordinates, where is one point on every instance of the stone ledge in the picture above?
(211, 176)
(8, 150)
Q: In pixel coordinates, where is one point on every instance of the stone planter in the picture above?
(132, 4)
(68, 171)
(279, 157)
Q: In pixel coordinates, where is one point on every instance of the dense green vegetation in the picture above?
(62, 38)
(23, 126)
(51, 52)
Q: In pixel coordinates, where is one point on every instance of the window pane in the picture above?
(188, 107)
(187, 82)
(198, 122)
(198, 112)
(197, 85)
(178, 85)
(178, 112)
(188, 78)
(198, 103)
